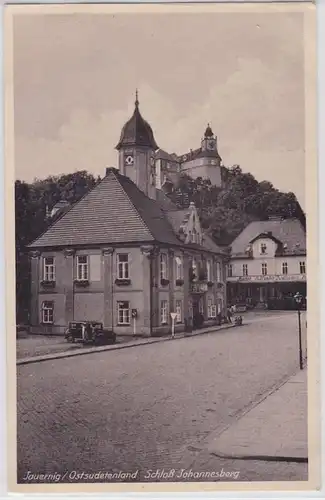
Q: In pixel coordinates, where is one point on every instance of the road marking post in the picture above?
(173, 316)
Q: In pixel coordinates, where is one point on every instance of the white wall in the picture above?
(274, 265)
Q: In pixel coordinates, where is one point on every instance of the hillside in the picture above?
(225, 212)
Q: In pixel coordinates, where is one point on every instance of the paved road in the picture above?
(149, 407)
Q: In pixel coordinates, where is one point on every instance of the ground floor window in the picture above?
(201, 306)
(178, 310)
(47, 312)
(123, 311)
(164, 312)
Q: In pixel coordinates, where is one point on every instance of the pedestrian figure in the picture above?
(229, 314)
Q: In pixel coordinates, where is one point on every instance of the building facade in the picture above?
(126, 256)
(202, 162)
(268, 264)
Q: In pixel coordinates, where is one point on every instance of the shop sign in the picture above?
(268, 278)
(199, 287)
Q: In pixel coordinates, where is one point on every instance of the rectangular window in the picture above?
(163, 266)
(179, 268)
(209, 277)
(229, 270)
(178, 310)
(123, 311)
(164, 312)
(123, 266)
(264, 269)
(47, 312)
(49, 269)
(82, 267)
(201, 306)
(302, 266)
(245, 270)
(263, 248)
(284, 268)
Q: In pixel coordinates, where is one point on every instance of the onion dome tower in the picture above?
(136, 149)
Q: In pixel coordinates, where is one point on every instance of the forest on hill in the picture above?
(223, 212)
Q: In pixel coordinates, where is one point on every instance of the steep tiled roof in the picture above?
(289, 232)
(104, 215)
(163, 155)
(117, 211)
(198, 153)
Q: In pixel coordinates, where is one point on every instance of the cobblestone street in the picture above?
(152, 407)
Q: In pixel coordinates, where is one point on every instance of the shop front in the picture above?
(270, 291)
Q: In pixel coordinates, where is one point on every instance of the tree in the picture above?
(224, 212)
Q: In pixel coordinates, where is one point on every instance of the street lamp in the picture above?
(298, 300)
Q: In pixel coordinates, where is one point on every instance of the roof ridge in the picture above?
(65, 213)
(116, 173)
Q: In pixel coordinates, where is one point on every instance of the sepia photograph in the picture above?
(162, 170)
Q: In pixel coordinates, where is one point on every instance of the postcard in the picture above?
(161, 229)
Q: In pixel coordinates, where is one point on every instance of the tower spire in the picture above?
(136, 98)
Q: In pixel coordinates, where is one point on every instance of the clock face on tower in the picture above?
(128, 159)
(211, 145)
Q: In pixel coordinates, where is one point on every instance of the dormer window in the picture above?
(263, 248)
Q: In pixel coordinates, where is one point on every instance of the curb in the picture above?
(152, 340)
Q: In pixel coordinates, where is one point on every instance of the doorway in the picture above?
(198, 318)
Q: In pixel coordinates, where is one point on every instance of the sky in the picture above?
(75, 77)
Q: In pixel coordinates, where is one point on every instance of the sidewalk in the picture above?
(78, 351)
(275, 429)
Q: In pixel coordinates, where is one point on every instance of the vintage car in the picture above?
(89, 332)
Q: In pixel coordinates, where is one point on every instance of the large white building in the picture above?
(268, 264)
(204, 162)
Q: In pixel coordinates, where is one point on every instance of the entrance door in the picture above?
(196, 311)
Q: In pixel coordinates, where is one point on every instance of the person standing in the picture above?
(229, 314)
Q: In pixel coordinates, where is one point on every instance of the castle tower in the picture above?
(209, 146)
(136, 149)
